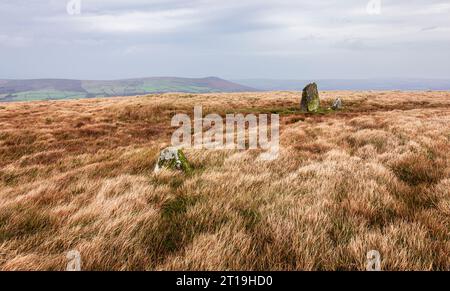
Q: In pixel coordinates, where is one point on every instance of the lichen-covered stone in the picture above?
(174, 159)
(337, 104)
(310, 98)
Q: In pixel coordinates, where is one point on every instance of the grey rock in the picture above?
(310, 98)
(337, 104)
(172, 158)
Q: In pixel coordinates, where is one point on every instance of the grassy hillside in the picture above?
(52, 89)
(78, 175)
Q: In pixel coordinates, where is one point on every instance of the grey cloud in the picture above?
(233, 39)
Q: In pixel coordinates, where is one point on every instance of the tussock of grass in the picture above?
(419, 168)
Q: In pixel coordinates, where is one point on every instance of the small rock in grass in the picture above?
(174, 159)
(337, 104)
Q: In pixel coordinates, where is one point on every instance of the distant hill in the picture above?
(358, 84)
(51, 89)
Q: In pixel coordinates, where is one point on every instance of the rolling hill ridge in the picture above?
(52, 89)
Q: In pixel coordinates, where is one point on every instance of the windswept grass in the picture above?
(78, 175)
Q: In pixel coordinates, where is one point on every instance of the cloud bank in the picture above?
(232, 39)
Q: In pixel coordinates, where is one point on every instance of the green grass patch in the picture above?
(177, 206)
(46, 95)
(283, 111)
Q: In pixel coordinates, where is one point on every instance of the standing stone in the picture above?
(337, 104)
(310, 98)
(172, 158)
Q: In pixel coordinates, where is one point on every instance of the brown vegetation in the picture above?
(77, 175)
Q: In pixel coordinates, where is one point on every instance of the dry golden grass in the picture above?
(77, 175)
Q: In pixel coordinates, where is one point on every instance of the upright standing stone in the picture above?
(310, 98)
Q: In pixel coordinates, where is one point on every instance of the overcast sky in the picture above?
(293, 39)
